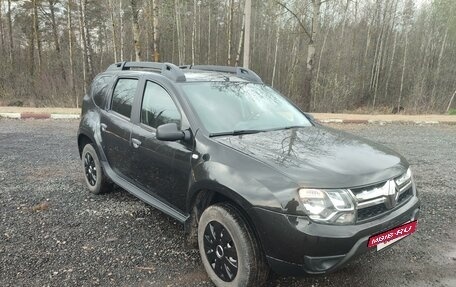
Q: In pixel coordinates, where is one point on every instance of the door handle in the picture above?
(103, 127)
(136, 143)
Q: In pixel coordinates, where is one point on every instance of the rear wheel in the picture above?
(230, 253)
(95, 179)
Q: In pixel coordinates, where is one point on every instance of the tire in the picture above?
(96, 180)
(217, 252)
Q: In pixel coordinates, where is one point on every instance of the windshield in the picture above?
(230, 107)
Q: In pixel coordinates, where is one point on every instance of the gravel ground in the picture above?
(54, 233)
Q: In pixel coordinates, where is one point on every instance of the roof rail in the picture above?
(168, 70)
(238, 71)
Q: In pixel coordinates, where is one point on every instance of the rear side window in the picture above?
(123, 96)
(99, 88)
(157, 107)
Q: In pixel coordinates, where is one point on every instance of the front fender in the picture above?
(254, 188)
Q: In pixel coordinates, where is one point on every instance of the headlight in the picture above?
(331, 206)
(405, 178)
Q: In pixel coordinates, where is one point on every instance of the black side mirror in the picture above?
(170, 132)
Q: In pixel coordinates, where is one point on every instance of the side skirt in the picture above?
(144, 196)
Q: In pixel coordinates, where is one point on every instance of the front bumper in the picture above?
(294, 245)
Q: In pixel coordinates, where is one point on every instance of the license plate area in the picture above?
(391, 236)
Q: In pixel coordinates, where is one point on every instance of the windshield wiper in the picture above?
(247, 132)
(236, 133)
(287, 128)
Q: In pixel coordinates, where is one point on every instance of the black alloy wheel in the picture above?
(96, 180)
(220, 251)
(90, 169)
(229, 250)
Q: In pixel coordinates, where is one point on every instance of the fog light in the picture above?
(346, 218)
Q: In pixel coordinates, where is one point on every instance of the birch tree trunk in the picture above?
(36, 31)
(84, 46)
(56, 38)
(86, 40)
(2, 28)
(317, 78)
(54, 26)
(209, 35)
(230, 30)
(121, 13)
(113, 29)
(70, 52)
(437, 72)
(10, 33)
(136, 33)
(31, 51)
(315, 33)
(451, 101)
(156, 54)
(403, 72)
(248, 24)
(178, 31)
(390, 71)
(194, 32)
(241, 41)
(274, 68)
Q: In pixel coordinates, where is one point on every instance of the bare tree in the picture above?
(113, 28)
(70, 52)
(180, 45)
(36, 31)
(156, 54)
(450, 102)
(248, 24)
(325, 55)
(240, 43)
(230, 30)
(2, 28)
(136, 32)
(312, 33)
(194, 32)
(121, 13)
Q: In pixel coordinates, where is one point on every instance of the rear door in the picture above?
(116, 124)
(161, 168)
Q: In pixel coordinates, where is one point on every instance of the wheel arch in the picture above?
(207, 196)
(84, 139)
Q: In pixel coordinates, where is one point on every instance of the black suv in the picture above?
(257, 183)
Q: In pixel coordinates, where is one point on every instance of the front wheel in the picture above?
(95, 179)
(229, 250)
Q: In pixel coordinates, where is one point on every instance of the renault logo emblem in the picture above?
(392, 195)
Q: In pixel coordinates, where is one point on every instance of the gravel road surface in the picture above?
(54, 233)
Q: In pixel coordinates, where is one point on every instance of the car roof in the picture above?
(209, 76)
(189, 73)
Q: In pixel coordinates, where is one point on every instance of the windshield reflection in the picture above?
(230, 107)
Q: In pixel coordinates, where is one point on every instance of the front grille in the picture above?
(405, 195)
(376, 200)
(371, 211)
(357, 191)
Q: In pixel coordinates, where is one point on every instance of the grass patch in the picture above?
(452, 112)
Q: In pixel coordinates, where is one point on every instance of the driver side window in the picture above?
(157, 107)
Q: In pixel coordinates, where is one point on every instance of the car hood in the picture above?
(320, 157)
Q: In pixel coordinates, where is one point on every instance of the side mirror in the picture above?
(170, 132)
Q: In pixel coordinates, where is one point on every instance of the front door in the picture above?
(162, 168)
(116, 125)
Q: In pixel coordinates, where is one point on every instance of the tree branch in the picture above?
(297, 18)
